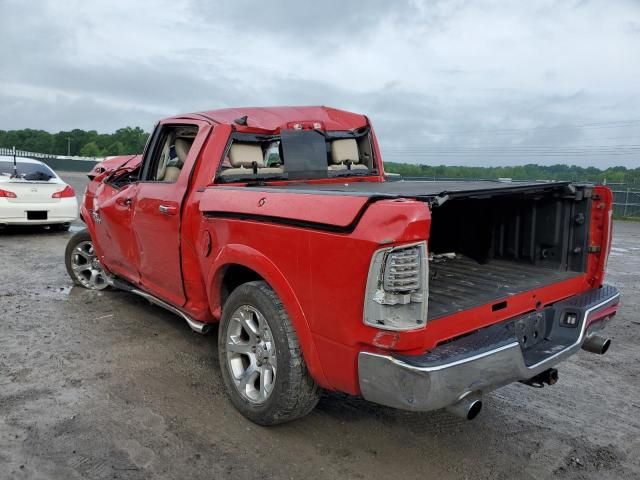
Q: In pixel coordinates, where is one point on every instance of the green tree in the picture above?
(91, 149)
(128, 140)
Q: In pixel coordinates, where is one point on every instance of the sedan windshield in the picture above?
(27, 171)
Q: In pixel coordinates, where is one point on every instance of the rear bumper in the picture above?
(65, 210)
(487, 359)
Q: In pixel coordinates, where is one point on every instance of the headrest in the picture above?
(343, 150)
(244, 154)
(182, 147)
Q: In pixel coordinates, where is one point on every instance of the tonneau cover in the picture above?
(412, 189)
(337, 206)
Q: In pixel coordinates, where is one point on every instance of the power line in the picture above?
(485, 153)
(625, 148)
(599, 125)
(501, 143)
(509, 152)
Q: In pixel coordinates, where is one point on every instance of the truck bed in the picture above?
(462, 283)
(336, 206)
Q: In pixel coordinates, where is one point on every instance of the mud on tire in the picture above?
(255, 307)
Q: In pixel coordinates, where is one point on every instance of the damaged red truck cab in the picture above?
(278, 225)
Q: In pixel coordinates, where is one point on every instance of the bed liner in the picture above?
(462, 283)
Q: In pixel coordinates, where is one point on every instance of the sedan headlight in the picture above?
(397, 288)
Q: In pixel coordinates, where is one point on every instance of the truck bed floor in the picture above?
(462, 283)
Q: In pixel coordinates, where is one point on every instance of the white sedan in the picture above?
(33, 194)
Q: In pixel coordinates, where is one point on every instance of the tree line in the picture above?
(124, 141)
(131, 140)
(630, 176)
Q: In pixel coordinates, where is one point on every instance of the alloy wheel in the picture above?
(86, 267)
(251, 354)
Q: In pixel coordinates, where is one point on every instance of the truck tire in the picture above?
(260, 358)
(82, 264)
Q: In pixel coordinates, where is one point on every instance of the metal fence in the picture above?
(57, 162)
(626, 203)
(626, 199)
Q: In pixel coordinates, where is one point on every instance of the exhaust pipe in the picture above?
(596, 344)
(468, 407)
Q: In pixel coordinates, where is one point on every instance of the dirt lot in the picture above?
(103, 385)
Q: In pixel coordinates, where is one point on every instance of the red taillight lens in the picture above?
(6, 194)
(66, 193)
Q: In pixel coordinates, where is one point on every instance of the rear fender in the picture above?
(236, 254)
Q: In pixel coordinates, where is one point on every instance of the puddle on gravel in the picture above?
(54, 292)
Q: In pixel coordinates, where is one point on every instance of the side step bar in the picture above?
(195, 325)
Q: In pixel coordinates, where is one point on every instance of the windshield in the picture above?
(297, 155)
(26, 171)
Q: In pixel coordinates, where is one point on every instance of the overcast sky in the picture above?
(444, 82)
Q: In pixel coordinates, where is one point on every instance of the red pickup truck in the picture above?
(278, 225)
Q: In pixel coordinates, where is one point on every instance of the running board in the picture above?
(195, 325)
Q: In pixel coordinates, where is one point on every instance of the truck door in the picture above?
(116, 242)
(157, 219)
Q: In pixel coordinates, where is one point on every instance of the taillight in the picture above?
(66, 193)
(6, 194)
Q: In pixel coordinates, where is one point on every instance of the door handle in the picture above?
(168, 209)
(124, 202)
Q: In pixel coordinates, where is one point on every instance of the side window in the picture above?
(169, 153)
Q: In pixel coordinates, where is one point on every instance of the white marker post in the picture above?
(15, 165)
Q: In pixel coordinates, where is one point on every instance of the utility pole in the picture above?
(68, 146)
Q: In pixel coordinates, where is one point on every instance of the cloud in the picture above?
(443, 81)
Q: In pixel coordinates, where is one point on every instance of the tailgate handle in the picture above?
(168, 209)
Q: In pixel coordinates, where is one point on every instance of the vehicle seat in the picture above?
(164, 158)
(172, 172)
(242, 157)
(343, 151)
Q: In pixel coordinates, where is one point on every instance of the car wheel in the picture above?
(260, 358)
(82, 263)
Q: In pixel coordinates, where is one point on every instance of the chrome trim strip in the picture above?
(195, 325)
(580, 340)
(452, 364)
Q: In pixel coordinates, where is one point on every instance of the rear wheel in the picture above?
(82, 263)
(260, 358)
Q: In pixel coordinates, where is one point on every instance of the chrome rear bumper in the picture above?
(484, 360)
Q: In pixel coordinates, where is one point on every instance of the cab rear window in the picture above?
(297, 155)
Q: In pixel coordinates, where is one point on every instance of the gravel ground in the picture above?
(103, 385)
